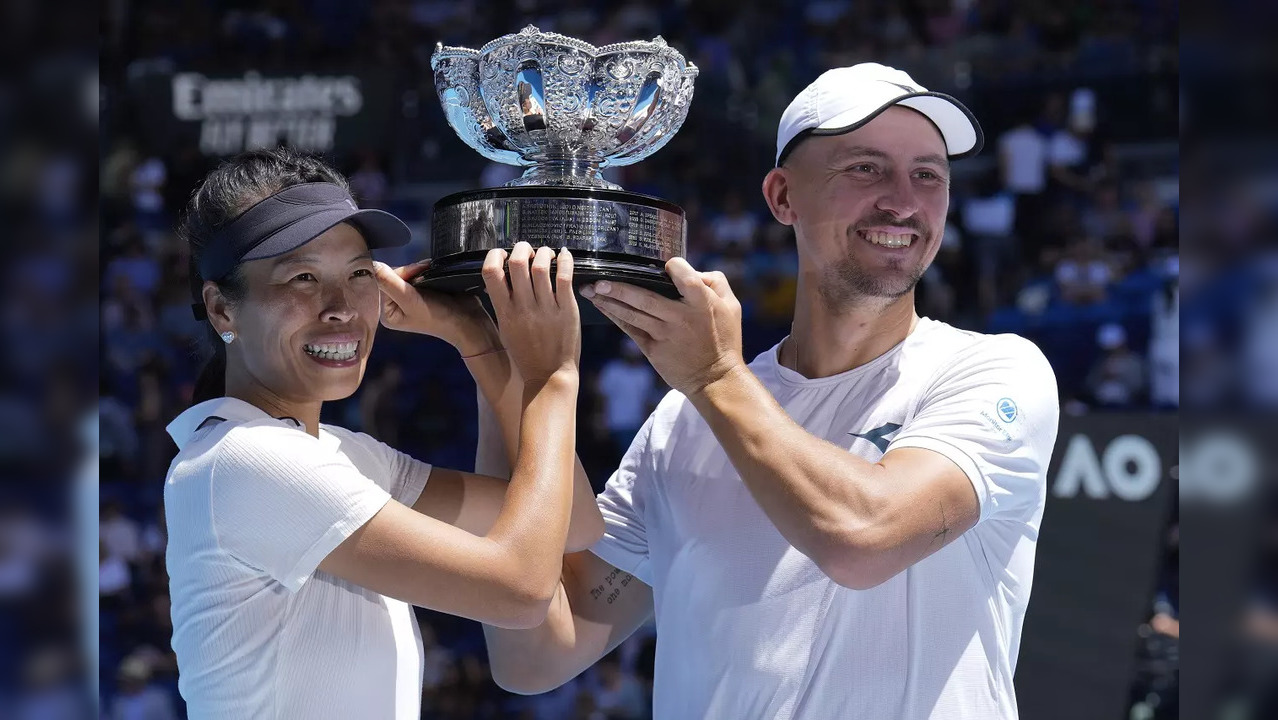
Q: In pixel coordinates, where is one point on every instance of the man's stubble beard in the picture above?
(847, 284)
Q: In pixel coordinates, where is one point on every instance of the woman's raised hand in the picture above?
(537, 315)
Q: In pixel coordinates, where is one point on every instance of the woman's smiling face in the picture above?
(306, 324)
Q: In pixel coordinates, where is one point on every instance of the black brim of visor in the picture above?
(380, 230)
(976, 146)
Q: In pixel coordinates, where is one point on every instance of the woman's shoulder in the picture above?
(239, 443)
(358, 445)
(345, 437)
(265, 434)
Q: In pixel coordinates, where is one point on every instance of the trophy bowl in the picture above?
(564, 110)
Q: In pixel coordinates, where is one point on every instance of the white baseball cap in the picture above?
(844, 99)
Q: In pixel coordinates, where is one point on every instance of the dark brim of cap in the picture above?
(379, 228)
(957, 125)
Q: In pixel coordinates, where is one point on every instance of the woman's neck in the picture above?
(307, 414)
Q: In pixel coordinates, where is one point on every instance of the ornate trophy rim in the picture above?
(552, 135)
(531, 33)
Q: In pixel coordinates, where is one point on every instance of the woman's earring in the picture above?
(228, 337)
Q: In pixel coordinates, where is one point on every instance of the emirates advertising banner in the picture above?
(223, 114)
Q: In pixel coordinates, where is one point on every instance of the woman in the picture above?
(296, 548)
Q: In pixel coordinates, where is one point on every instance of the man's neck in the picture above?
(823, 342)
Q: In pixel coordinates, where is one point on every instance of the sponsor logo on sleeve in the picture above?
(1005, 413)
(878, 436)
(1006, 410)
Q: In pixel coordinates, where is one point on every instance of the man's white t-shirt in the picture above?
(748, 627)
(254, 504)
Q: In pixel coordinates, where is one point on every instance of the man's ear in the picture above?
(217, 308)
(776, 191)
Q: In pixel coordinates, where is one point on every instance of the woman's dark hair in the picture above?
(235, 186)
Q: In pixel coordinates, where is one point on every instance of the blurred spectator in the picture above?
(116, 169)
(1143, 215)
(1083, 276)
(153, 631)
(23, 548)
(618, 695)
(1105, 218)
(935, 296)
(1117, 380)
(560, 703)
(626, 385)
(146, 185)
(1071, 153)
(119, 534)
(138, 699)
(155, 536)
(735, 224)
(989, 219)
(1022, 163)
(1157, 685)
(1205, 360)
(734, 263)
(114, 577)
(438, 666)
(1164, 347)
(58, 194)
(175, 322)
(1166, 619)
(133, 342)
(1260, 346)
(119, 436)
(134, 265)
(50, 691)
(774, 269)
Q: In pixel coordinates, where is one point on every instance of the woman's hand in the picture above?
(539, 319)
(459, 320)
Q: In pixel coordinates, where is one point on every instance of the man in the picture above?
(846, 527)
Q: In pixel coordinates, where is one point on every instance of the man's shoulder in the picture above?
(949, 347)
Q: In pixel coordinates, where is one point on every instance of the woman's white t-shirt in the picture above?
(254, 504)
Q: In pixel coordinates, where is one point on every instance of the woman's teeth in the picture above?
(333, 351)
(888, 240)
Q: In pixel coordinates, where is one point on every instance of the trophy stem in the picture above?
(567, 171)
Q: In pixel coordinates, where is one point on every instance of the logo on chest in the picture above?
(878, 437)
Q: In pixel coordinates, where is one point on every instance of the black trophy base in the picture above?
(612, 234)
(461, 273)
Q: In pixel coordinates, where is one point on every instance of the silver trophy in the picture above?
(565, 110)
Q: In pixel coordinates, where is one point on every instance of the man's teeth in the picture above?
(888, 240)
(333, 351)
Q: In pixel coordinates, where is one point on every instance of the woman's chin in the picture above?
(340, 389)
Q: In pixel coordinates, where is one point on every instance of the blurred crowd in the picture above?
(1065, 230)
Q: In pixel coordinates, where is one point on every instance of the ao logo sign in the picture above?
(1218, 468)
(1128, 468)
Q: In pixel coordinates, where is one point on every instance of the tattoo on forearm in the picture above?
(944, 533)
(612, 585)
